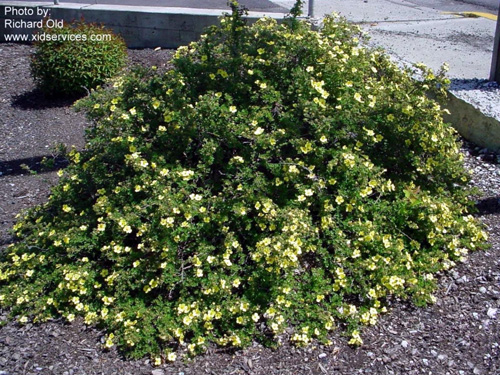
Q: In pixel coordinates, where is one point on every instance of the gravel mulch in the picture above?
(460, 334)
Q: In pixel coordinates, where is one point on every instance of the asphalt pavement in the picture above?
(459, 5)
(253, 5)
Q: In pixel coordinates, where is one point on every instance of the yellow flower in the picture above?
(306, 148)
(182, 308)
(339, 199)
(109, 341)
(258, 131)
(355, 338)
(369, 132)
(236, 340)
(244, 306)
(186, 175)
(238, 159)
(222, 73)
(108, 300)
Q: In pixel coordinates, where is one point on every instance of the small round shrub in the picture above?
(276, 184)
(76, 58)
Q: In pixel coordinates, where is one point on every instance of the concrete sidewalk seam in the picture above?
(460, 19)
(405, 20)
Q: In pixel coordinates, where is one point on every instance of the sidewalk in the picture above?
(415, 33)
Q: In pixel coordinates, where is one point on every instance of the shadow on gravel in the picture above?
(488, 206)
(34, 165)
(37, 100)
(472, 84)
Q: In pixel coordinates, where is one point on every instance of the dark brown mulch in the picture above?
(460, 334)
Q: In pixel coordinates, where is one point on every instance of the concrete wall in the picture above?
(141, 27)
(472, 124)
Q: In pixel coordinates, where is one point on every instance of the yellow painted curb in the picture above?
(489, 16)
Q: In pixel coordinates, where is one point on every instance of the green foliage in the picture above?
(296, 10)
(277, 178)
(76, 58)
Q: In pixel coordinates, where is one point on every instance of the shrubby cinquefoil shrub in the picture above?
(277, 183)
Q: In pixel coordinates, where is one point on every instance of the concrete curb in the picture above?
(472, 124)
(141, 27)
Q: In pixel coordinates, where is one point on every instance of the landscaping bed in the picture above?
(459, 334)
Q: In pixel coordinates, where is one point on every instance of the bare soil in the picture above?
(460, 334)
